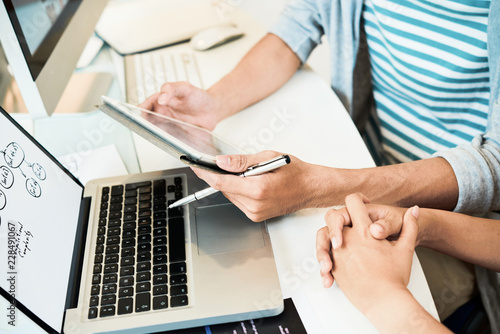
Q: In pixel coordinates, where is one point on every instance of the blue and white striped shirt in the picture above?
(430, 73)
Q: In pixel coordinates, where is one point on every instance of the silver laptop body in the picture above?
(226, 270)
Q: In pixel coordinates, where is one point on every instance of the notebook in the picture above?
(109, 257)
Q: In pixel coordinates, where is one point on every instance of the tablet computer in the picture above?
(191, 144)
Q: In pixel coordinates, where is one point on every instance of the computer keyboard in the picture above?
(140, 254)
(145, 73)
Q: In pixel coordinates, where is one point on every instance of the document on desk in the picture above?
(288, 322)
(94, 164)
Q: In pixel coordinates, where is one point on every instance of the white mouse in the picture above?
(215, 36)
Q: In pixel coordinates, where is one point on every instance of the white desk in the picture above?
(305, 119)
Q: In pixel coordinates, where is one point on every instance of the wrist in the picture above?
(219, 106)
(425, 234)
(324, 186)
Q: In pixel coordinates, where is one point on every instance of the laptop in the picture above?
(109, 257)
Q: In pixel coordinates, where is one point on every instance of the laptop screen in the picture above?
(39, 208)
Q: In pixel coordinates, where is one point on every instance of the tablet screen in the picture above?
(198, 138)
(184, 141)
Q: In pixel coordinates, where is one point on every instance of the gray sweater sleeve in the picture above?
(477, 169)
(477, 165)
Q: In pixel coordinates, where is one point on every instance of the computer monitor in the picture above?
(43, 41)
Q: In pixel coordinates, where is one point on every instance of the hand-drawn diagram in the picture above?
(6, 177)
(15, 157)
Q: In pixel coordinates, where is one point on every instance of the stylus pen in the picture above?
(261, 168)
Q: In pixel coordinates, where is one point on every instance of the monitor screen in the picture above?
(39, 25)
(43, 41)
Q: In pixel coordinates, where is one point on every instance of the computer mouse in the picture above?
(215, 36)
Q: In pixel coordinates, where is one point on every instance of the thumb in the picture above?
(240, 163)
(409, 231)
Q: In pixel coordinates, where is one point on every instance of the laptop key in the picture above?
(107, 311)
(125, 305)
(108, 288)
(178, 301)
(98, 258)
(143, 302)
(130, 200)
(109, 278)
(95, 290)
(127, 281)
(96, 279)
(144, 266)
(126, 292)
(143, 248)
(144, 190)
(108, 300)
(178, 290)
(159, 250)
(143, 276)
(110, 268)
(159, 279)
(160, 290)
(177, 268)
(175, 212)
(178, 279)
(92, 312)
(160, 269)
(159, 187)
(159, 259)
(94, 301)
(127, 271)
(160, 302)
(144, 197)
(113, 240)
(142, 287)
(116, 199)
(97, 268)
(117, 190)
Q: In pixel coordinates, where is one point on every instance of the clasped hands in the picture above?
(368, 249)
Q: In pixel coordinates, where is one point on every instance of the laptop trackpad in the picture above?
(224, 228)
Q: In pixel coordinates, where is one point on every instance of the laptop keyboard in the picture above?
(140, 255)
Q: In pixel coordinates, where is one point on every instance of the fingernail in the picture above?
(323, 281)
(415, 211)
(223, 160)
(378, 229)
(162, 99)
(335, 243)
(322, 264)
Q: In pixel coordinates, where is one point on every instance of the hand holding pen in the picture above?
(281, 191)
(258, 169)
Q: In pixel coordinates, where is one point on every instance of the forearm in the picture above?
(472, 239)
(397, 311)
(426, 183)
(264, 69)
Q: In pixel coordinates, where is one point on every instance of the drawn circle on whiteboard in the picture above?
(14, 155)
(6, 177)
(39, 172)
(33, 187)
(3, 200)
